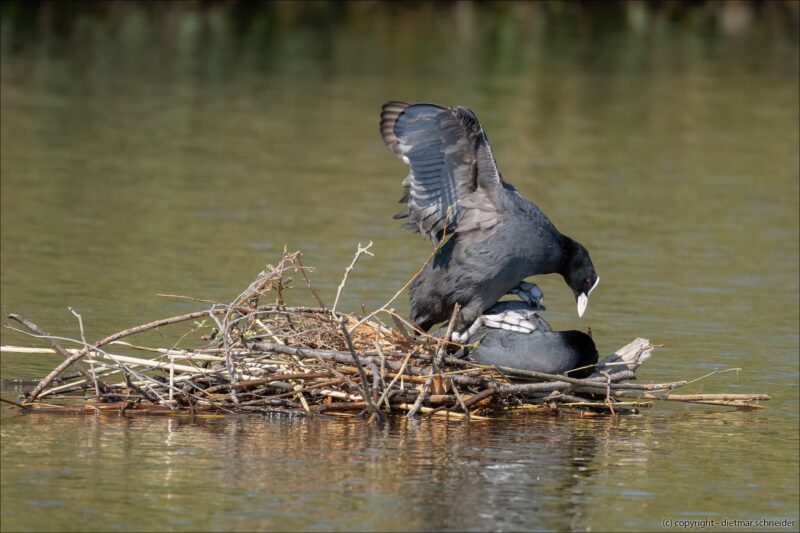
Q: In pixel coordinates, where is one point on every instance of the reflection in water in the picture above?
(520, 473)
(318, 473)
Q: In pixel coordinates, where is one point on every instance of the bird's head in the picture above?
(586, 349)
(580, 275)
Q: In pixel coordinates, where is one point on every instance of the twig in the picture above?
(376, 381)
(424, 393)
(222, 327)
(146, 394)
(21, 406)
(608, 393)
(68, 359)
(442, 414)
(361, 250)
(377, 343)
(692, 398)
(400, 326)
(722, 396)
(190, 298)
(83, 339)
(437, 361)
(460, 400)
(308, 281)
(111, 338)
(364, 384)
(80, 384)
(252, 292)
(405, 285)
(253, 383)
(695, 380)
(143, 380)
(394, 380)
(423, 334)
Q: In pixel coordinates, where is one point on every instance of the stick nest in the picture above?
(257, 354)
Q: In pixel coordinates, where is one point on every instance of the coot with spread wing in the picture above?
(497, 237)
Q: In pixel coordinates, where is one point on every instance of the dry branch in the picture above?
(266, 356)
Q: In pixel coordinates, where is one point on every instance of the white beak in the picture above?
(583, 301)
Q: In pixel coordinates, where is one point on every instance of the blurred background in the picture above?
(177, 147)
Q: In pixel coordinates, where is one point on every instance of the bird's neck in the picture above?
(567, 253)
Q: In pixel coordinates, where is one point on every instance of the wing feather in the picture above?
(452, 168)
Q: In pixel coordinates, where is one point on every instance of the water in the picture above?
(177, 150)
(244, 474)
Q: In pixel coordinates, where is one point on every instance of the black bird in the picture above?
(532, 345)
(498, 238)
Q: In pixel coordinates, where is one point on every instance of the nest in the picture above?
(257, 354)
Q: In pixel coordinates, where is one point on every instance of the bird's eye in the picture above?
(589, 282)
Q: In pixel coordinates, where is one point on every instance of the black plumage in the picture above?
(540, 350)
(497, 237)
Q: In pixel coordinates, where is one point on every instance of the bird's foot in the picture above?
(463, 337)
(529, 293)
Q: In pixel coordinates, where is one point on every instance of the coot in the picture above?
(530, 343)
(498, 238)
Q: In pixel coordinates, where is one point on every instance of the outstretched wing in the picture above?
(453, 182)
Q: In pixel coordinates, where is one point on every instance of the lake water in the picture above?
(153, 149)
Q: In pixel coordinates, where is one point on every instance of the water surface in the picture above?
(149, 150)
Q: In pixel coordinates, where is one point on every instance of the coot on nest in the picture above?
(497, 237)
(531, 345)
